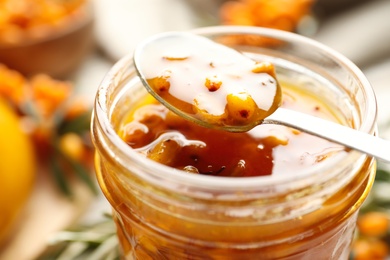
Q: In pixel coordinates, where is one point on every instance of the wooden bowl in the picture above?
(56, 53)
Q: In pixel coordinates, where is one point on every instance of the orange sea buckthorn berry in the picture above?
(72, 145)
(240, 106)
(12, 85)
(48, 93)
(161, 83)
(370, 250)
(75, 108)
(264, 67)
(373, 224)
(164, 152)
(213, 83)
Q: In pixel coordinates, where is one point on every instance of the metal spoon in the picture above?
(348, 137)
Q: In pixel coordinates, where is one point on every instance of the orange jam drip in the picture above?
(267, 149)
(210, 81)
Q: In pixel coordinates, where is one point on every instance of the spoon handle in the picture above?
(363, 142)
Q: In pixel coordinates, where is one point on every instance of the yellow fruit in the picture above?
(17, 169)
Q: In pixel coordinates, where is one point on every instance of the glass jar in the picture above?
(163, 213)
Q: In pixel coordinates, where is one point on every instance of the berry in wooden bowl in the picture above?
(45, 36)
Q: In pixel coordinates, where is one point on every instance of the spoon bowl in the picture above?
(210, 82)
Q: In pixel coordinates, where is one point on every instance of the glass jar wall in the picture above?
(163, 213)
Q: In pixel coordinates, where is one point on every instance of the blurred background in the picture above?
(53, 55)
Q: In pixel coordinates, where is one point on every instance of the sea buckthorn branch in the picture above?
(77, 168)
(284, 15)
(97, 241)
(278, 14)
(56, 121)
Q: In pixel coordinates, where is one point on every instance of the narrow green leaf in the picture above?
(113, 255)
(84, 175)
(105, 248)
(80, 171)
(73, 250)
(59, 177)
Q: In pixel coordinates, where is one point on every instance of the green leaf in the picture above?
(382, 175)
(84, 175)
(73, 250)
(81, 172)
(59, 176)
(106, 248)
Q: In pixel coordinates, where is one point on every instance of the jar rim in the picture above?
(168, 177)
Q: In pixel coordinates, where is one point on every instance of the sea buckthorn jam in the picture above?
(210, 81)
(165, 137)
(269, 193)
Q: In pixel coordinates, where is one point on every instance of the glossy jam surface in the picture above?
(267, 149)
(209, 81)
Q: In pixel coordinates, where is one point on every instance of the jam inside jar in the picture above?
(301, 211)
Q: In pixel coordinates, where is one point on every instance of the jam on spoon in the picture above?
(209, 83)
